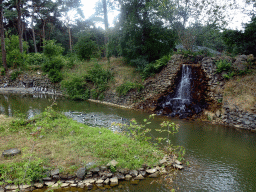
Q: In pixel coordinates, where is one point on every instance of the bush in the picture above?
(2, 71)
(14, 57)
(155, 67)
(76, 88)
(86, 48)
(223, 65)
(128, 86)
(55, 76)
(52, 49)
(71, 59)
(14, 75)
(35, 59)
(55, 63)
(100, 78)
(228, 75)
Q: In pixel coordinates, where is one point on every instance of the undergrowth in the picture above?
(128, 86)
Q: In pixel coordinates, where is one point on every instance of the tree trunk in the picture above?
(106, 25)
(70, 39)
(43, 34)
(2, 36)
(33, 31)
(18, 5)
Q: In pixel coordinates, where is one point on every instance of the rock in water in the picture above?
(11, 152)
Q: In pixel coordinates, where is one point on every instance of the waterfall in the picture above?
(188, 97)
(182, 97)
(183, 92)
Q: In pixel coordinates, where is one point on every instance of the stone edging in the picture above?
(99, 177)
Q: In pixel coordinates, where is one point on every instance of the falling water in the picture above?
(182, 97)
(183, 92)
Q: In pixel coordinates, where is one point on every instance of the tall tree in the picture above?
(65, 7)
(32, 26)
(20, 30)
(2, 36)
(144, 38)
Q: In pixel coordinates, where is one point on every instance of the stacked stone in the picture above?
(27, 81)
(215, 81)
(239, 118)
(98, 177)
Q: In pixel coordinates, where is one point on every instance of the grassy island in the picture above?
(55, 141)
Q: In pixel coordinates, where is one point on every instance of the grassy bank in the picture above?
(55, 141)
(241, 91)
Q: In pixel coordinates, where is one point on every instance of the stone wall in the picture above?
(239, 118)
(41, 83)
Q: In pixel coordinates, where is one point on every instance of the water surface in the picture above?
(221, 158)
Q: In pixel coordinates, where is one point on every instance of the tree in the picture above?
(184, 15)
(32, 25)
(65, 7)
(2, 36)
(20, 30)
(143, 36)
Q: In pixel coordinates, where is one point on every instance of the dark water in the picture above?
(221, 158)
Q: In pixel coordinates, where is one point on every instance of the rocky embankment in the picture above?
(158, 86)
(28, 84)
(103, 177)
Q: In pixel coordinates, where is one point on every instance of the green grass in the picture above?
(53, 140)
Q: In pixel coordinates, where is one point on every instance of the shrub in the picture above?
(76, 88)
(54, 63)
(14, 75)
(228, 75)
(52, 49)
(98, 75)
(223, 65)
(128, 86)
(155, 67)
(86, 48)
(2, 71)
(55, 76)
(100, 78)
(71, 59)
(14, 57)
(35, 59)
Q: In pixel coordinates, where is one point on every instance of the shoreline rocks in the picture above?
(101, 178)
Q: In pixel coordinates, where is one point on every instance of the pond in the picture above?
(220, 158)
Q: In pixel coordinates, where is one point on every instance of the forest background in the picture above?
(52, 34)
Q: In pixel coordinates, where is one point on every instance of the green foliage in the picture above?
(14, 57)
(76, 88)
(14, 75)
(51, 48)
(55, 63)
(223, 65)
(2, 71)
(100, 78)
(55, 75)
(155, 67)
(126, 87)
(228, 75)
(170, 128)
(112, 169)
(113, 46)
(86, 48)
(35, 59)
(143, 37)
(241, 42)
(22, 172)
(71, 60)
